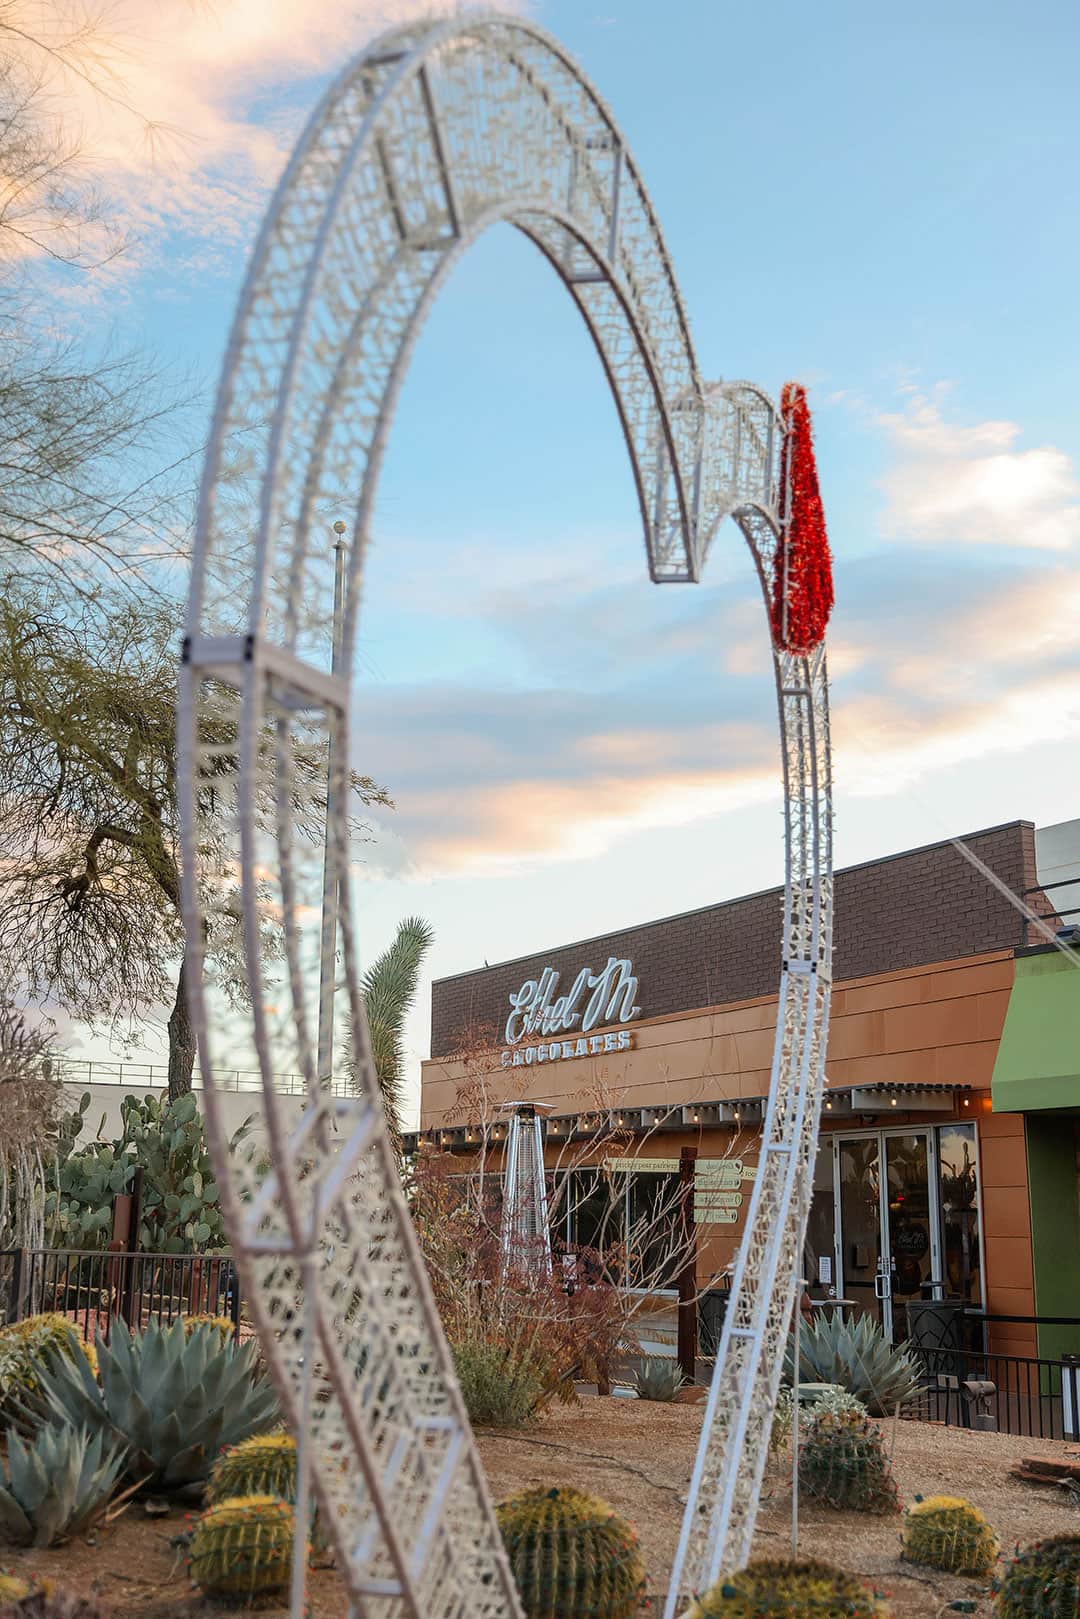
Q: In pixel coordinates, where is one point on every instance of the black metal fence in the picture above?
(91, 1288)
(968, 1384)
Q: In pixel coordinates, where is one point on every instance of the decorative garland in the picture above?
(802, 596)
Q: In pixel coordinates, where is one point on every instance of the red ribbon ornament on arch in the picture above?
(802, 593)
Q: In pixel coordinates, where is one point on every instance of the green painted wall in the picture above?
(1038, 1059)
(1055, 1226)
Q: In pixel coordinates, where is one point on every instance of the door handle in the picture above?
(882, 1290)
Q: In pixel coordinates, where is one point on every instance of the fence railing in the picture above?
(155, 1077)
(970, 1384)
(92, 1288)
(1061, 917)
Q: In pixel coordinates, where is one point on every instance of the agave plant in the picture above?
(175, 1397)
(658, 1378)
(56, 1486)
(858, 1356)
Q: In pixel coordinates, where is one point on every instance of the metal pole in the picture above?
(332, 876)
(800, 1288)
(687, 1282)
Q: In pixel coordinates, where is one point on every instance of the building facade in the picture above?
(948, 1163)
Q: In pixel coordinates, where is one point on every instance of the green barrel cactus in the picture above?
(28, 1345)
(263, 1465)
(780, 1588)
(571, 1556)
(223, 1324)
(42, 1599)
(1042, 1581)
(944, 1531)
(842, 1463)
(242, 1549)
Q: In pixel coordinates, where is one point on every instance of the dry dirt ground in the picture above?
(638, 1456)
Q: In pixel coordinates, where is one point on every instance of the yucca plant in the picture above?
(859, 1357)
(56, 1486)
(571, 1555)
(242, 1549)
(177, 1398)
(26, 1345)
(658, 1378)
(842, 1463)
(947, 1532)
(1042, 1581)
(780, 1588)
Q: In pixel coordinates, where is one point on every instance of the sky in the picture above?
(880, 203)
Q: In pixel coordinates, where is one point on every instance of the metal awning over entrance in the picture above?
(870, 1102)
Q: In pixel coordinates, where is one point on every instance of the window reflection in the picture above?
(960, 1212)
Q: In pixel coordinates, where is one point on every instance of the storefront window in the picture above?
(654, 1230)
(594, 1212)
(960, 1212)
(820, 1229)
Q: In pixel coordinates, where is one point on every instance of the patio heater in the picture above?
(525, 1238)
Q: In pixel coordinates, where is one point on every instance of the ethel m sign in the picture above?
(609, 996)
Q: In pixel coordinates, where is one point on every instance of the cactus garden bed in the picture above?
(638, 1457)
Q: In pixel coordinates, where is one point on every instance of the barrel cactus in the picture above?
(12, 1589)
(780, 1588)
(944, 1531)
(44, 1600)
(221, 1323)
(842, 1463)
(175, 1397)
(28, 1345)
(242, 1549)
(1042, 1582)
(571, 1556)
(262, 1465)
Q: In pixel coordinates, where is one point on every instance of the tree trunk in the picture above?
(181, 1041)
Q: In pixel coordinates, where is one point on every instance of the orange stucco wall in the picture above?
(936, 1024)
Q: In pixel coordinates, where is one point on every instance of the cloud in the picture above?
(633, 709)
(972, 486)
(189, 110)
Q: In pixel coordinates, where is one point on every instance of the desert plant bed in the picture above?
(636, 1456)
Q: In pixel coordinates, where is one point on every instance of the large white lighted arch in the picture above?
(436, 132)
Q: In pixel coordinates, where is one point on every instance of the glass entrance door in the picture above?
(887, 1223)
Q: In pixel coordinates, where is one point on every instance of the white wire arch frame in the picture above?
(432, 135)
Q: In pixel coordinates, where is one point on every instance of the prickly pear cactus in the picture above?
(842, 1462)
(780, 1588)
(1042, 1582)
(242, 1549)
(572, 1557)
(944, 1531)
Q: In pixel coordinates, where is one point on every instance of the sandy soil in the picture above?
(638, 1456)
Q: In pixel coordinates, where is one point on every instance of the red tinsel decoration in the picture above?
(802, 571)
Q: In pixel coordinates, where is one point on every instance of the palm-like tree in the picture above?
(389, 986)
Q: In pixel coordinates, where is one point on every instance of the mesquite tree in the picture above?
(89, 833)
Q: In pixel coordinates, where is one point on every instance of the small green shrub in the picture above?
(571, 1556)
(503, 1385)
(778, 1588)
(58, 1485)
(1042, 1581)
(658, 1378)
(944, 1531)
(859, 1357)
(842, 1462)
